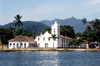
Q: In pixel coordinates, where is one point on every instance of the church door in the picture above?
(46, 45)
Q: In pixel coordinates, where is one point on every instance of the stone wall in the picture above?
(4, 46)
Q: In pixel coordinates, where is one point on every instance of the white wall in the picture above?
(15, 46)
(43, 42)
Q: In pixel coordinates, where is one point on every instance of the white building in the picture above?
(21, 42)
(46, 39)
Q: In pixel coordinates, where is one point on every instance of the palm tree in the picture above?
(18, 32)
(54, 38)
(92, 25)
(84, 22)
(18, 20)
(95, 24)
(88, 28)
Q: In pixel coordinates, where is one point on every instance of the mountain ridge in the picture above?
(74, 22)
(31, 26)
(77, 24)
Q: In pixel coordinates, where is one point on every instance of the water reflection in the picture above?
(49, 58)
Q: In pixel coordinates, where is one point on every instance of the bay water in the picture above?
(50, 58)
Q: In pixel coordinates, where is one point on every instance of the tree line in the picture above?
(91, 33)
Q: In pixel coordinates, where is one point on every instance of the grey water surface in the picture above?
(49, 58)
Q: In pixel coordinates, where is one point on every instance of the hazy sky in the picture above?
(37, 10)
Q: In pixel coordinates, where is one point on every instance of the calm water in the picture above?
(49, 58)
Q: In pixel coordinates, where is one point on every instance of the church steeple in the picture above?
(55, 28)
(55, 23)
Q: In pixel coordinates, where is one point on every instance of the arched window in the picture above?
(10, 44)
(54, 30)
(17, 45)
(13, 44)
(25, 45)
(49, 39)
(43, 38)
(38, 39)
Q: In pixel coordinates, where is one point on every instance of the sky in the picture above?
(38, 10)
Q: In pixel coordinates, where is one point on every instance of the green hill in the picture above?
(31, 26)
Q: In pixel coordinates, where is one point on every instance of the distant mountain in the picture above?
(37, 27)
(76, 23)
(31, 26)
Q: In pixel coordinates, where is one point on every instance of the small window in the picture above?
(43, 38)
(10, 44)
(62, 45)
(13, 43)
(24, 44)
(17, 45)
(54, 30)
(62, 40)
(49, 39)
(21, 43)
(32, 45)
(38, 39)
(66, 41)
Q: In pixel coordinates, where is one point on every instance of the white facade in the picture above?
(12, 45)
(46, 39)
(21, 42)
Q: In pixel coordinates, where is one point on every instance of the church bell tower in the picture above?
(55, 29)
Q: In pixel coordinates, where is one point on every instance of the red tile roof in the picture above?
(21, 38)
(66, 37)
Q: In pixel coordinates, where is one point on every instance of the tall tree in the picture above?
(89, 36)
(67, 30)
(18, 20)
(84, 22)
(95, 24)
(46, 29)
(78, 34)
(6, 34)
(75, 42)
(88, 28)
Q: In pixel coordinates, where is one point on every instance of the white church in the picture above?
(46, 39)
